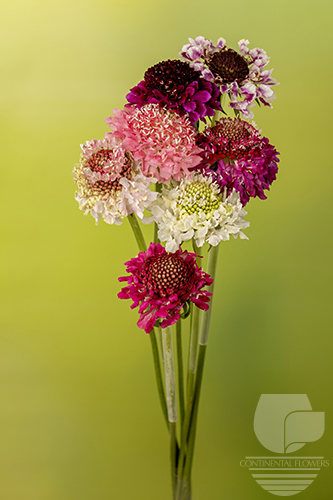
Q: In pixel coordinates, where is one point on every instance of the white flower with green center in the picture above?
(198, 196)
(196, 209)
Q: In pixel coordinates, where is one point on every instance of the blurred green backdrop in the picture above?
(79, 414)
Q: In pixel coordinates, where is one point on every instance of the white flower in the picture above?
(196, 209)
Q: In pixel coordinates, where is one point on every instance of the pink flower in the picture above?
(164, 141)
(161, 283)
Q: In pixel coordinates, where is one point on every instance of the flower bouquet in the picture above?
(182, 155)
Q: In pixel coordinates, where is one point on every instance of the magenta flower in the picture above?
(162, 140)
(238, 157)
(177, 86)
(240, 74)
(161, 283)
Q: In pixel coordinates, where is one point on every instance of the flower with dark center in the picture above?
(110, 183)
(238, 157)
(228, 66)
(162, 283)
(177, 86)
(240, 75)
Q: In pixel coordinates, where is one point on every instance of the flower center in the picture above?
(230, 138)
(167, 274)
(232, 130)
(99, 160)
(103, 162)
(199, 197)
(228, 65)
(170, 77)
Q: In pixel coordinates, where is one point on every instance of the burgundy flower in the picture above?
(238, 157)
(162, 283)
(177, 86)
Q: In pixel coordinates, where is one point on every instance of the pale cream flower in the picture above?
(196, 209)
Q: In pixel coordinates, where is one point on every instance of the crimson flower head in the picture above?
(161, 283)
(238, 157)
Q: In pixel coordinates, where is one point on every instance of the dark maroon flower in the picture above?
(238, 157)
(162, 283)
(177, 86)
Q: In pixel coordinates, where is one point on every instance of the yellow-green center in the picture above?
(198, 197)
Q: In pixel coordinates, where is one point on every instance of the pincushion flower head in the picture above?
(162, 140)
(238, 157)
(161, 283)
(176, 85)
(241, 75)
(197, 209)
(110, 183)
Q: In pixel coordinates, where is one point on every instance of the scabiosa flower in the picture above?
(238, 157)
(164, 141)
(162, 283)
(197, 209)
(241, 75)
(110, 183)
(177, 86)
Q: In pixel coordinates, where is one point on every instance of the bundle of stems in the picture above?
(181, 413)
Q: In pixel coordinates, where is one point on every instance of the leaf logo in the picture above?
(284, 423)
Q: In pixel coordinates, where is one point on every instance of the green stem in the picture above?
(191, 438)
(170, 379)
(160, 342)
(193, 348)
(211, 270)
(180, 372)
(170, 384)
(137, 232)
(158, 373)
(156, 358)
(203, 340)
(173, 457)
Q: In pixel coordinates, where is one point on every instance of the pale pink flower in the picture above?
(164, 141)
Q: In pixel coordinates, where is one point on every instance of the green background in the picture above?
(79, 416)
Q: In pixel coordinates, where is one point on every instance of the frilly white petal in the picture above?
(176, 226)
